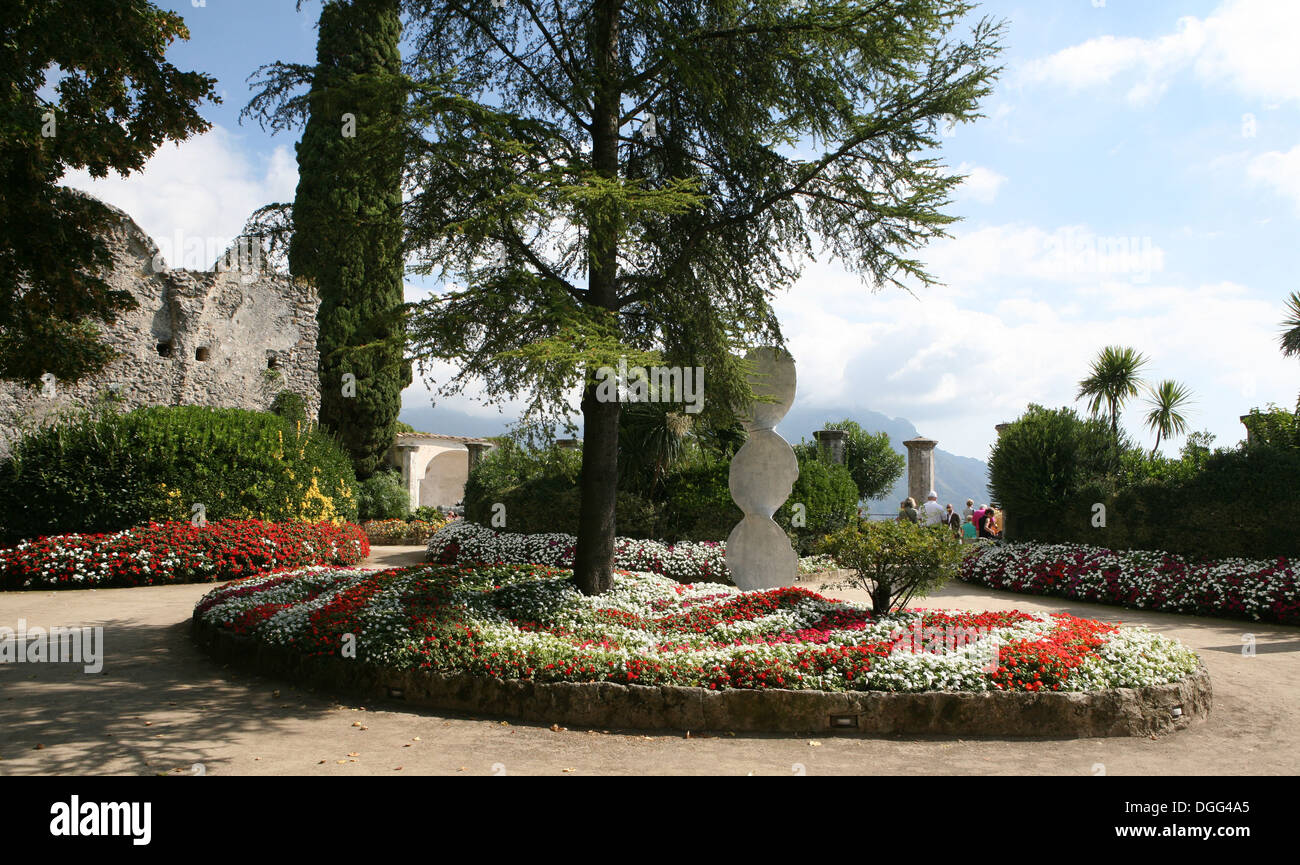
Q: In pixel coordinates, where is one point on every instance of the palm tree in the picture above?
(1291, 327)
(1114, 380)
(652, 439)
(1164, 418)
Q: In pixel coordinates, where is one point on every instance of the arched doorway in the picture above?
(443, 484)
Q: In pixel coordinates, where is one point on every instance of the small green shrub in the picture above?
(383, 496)
(428, 514)
(114, 471)
(895, 563)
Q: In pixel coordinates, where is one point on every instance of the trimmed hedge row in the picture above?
(177, 552)
(1051, 469)
(1266, 590)
(1241, 503)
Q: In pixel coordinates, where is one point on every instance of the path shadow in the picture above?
(158, 703)
(1261, 648)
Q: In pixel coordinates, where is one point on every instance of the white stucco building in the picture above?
(435, 467)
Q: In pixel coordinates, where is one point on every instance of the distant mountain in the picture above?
(448, 421)
(956, 478)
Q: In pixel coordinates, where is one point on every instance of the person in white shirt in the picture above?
(932, 511)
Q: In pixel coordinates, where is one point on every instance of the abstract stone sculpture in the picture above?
(763, 471)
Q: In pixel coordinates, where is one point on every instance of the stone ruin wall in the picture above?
(255, 330)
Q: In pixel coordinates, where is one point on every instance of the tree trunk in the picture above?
(880, 595)
(593, 561)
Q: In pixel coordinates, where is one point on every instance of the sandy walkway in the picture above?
(161, 706)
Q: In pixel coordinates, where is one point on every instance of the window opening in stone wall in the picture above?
(201, 353)
(164, 349)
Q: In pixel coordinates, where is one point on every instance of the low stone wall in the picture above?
(1145, 711)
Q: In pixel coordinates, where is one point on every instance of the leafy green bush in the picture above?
(383, 496)
(829, 497)
(1045, 460)
(428, 514)
(115, 471)
(539, 489)
(1275, 426)
(698, 505)
(894, 562)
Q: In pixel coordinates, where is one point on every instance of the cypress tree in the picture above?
(347, 223)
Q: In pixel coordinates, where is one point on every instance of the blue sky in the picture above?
(1162, 136)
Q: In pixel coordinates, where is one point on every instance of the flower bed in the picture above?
(389, 532)
(464, 542)
(177, 552)
(529, 623)
(1262, 590)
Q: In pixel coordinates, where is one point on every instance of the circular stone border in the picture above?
(1146, 711)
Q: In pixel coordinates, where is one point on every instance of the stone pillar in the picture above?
(405, 457)
(1006, 517)
(920, 467)
(476, 451)
(832, 443)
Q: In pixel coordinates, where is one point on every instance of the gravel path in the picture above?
(160, 707)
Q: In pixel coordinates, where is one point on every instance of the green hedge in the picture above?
(539, 489)
(1050, 469)
(1242, 503)
(116, 471)
(698, 505)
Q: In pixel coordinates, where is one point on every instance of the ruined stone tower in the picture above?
(233, 337)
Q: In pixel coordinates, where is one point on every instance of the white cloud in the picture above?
(1246, 44)
(1280, 171)
(1099, 61)
(994, 255)
(981, 184)
(202, 188)
(956, 363)
(1252, 45)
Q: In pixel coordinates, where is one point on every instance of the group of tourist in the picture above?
(971, 523)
